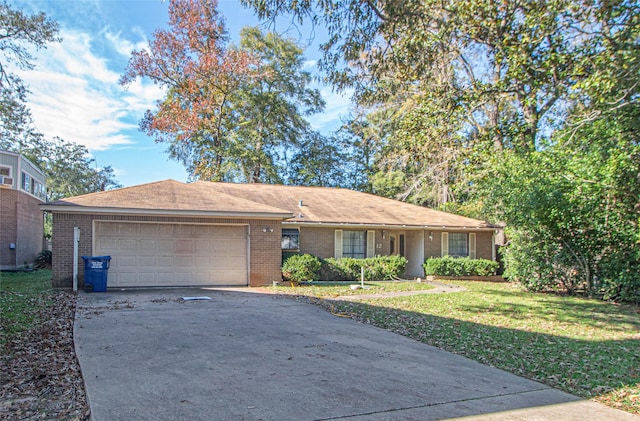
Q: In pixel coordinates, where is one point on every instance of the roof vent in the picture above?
(300, 203)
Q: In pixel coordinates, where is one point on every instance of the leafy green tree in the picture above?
(230, 113)
(460, 80)
(19, 33)
(69, 169)
(573, 207)
(273, 106)
(363, 137)
(318, 161)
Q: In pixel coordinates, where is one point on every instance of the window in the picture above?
(458, 244)
(290, 239)
(5, 176)
(39, 190)
(26, 182)
(354, 244)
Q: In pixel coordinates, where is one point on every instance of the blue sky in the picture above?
(74, 89)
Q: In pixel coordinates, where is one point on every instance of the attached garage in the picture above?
(167, 234)
(165, 254)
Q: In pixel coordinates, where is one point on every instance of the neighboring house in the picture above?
(22, 191)
(174, 234)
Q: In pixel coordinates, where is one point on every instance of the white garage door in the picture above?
(156, 254)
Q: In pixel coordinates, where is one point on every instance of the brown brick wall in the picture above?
(8, 227)
(21, 223)
(484, 245)
(432, 248)
(317, 241)
(265, 253)
(30, 229)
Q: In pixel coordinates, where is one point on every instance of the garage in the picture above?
(173, 254)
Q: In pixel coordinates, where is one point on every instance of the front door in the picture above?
(397, 243)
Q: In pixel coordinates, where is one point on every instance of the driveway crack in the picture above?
(385, 411)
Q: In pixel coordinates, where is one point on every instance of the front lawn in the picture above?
(338, 289)
(585, 347)
(22, 294)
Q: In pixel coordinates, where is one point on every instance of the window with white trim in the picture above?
(290, 239)
(355, 244)
(459, 244)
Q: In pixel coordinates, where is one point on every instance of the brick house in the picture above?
(174, 234)
(22, 191)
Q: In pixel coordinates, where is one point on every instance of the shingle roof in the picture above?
(320, 205)
(342, 206)
(167, 195)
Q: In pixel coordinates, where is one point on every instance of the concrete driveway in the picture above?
(149, 355)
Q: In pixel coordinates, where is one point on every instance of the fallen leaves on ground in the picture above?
(40, 376)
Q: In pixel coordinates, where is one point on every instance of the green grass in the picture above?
(21, 296)
(585, 347)
(337, 289)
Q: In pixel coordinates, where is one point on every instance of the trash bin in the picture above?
(96, 269)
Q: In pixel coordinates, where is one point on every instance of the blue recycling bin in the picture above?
(96, 269)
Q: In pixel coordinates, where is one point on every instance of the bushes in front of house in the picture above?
(305, 267)
(379, 268)
(301, 268)
(459, 266)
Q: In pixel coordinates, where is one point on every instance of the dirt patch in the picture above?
(40, 376)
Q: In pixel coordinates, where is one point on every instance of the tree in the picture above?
(19, 32)
(507, 64)
(272, 107)
(574, 206)
(69, 169)
(201, 75)
(458, 79)
(229, 112)
(318, 161)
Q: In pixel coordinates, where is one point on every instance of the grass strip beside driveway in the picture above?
(341, 289)
(22, 294)
(585, 347)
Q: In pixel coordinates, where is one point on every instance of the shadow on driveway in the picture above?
(148, 354)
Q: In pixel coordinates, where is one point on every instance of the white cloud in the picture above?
(310, 64)
(337, 105)
(124, 46)
(76, 96)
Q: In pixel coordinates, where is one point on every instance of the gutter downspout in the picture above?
(76, 241)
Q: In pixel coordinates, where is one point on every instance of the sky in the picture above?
(74, 87)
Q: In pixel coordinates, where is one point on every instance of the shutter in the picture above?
(337, 250)
(472, 245)
(371, 243)
(444, 244)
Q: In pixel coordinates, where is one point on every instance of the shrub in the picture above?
(43, 260)
(459, 266)
(301, 267)
(379, 268)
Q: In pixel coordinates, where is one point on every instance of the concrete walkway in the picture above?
(150, 355)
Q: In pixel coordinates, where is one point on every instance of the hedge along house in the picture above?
(174, 234)
(22, 191)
